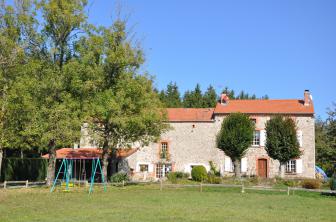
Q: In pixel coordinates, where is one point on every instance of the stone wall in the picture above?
(194, 143)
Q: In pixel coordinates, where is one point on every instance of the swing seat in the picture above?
(63, 184)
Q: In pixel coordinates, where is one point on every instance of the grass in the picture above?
(148, 203)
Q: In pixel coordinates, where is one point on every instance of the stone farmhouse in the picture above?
(192, 141)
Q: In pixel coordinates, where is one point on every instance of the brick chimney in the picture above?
(224, 99)
(308, 99)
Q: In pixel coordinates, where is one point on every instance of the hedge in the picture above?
(17, 169)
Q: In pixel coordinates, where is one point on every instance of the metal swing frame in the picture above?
(67, 169)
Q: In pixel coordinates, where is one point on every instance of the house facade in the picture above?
(192, 140)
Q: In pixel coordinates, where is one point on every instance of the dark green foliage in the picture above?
(210, 97)
(119, 177)
(311, 184)
(199, 173)
(281, 139)
(193, 99)
(241, 95)
(325, 142)
(235, 135)
(333, 183)
(171, 97)
(17, 169)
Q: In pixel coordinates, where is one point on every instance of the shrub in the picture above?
(119, 177)
(333, 183)
(311, 184)
(214, 179)
(199, 173)
(32, 169)
(291, 183)
(213, 169)
(172, 177)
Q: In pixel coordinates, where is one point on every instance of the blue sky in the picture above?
(279, 48)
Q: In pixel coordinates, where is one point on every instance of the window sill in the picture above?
(289, 173)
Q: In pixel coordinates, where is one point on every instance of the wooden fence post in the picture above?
(288, 191)
(161, 186)
(201, 187)
(27, 184)
(123, 183)
(243, 189)
(5, 184)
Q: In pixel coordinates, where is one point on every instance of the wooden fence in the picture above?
(200, 186)
(244, 188)
(21, 184)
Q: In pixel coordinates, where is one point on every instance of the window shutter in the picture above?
(299, 166)
(227, 164)
(262, 137)
(243, 165)
(150, 168)
(299, 137)
(187, 168)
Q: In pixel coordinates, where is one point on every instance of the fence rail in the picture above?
(243, 188)
(21, 184)
(200, 186)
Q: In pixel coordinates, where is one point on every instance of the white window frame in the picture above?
(291, 166)
(150, 167)
(256, 142)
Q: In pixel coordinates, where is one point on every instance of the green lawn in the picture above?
(148, 203)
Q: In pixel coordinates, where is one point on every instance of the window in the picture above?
(256, 138)
(254, 121)
(291, 166)
(164, 150)
(162, 170)
(143, 167)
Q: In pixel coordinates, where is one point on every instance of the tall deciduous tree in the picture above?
(11, 57)
(325, 141)
(281, 140)
(125, 109)
(235, 137)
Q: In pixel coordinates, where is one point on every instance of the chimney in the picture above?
(308, 99)
(224, 99)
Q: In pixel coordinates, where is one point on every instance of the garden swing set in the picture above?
(68, 169)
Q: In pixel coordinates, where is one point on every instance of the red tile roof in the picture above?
(87, 153)
(190, 114)
(287, 106)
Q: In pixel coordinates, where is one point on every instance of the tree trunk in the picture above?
(114, 161)
(1, 156)
(51, 163)
(105, 158)
(237, 170)
(282, 170)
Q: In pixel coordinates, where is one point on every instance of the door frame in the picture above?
(267, 165)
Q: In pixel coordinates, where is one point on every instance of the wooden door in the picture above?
(262, 168)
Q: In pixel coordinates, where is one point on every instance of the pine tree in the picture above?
(172, 96)
(193, 99)
(210, 97)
